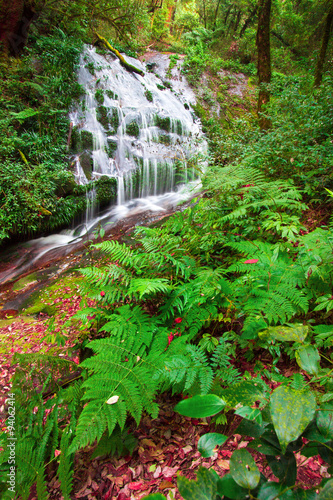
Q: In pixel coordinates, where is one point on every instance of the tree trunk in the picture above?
(16, 17)
(238, 18)
(248, 21)
(264, 59)
(284, 42)
(122, 60)
(215, 15)
(324, 44)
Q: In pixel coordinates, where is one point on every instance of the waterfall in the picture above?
(131, 128)
(133, 146)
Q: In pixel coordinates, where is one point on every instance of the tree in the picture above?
(16, 17)
(264, 58)
(15, 20)
(323, 49)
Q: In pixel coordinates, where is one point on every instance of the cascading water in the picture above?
(141, 133)
(134, 132)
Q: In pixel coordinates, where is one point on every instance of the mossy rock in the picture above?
(133, 129)
(87, 164)
(149, 96)
(40, 307)
(111, 148)
(99, 96)
(114, 120)
(65, 185)
(106, 190)
(102, 116)
(81, 140)
(90, 67)
(164, 139)
(163, 122)
(24, 282)
(111, 94)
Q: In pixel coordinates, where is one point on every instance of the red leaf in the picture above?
(136, 486)
(251, 261)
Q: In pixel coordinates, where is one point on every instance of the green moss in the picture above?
(149, 96)
(111, 148)
(111, 94)
(99, 96)
(133, 129)
(91, 68)
(163, 122)
(102, 116)
(179, 127)
(164, 139)
(114, 120)
(87, 140)
(87, 164)
(106, 190)
(23, 282)
(160, 87)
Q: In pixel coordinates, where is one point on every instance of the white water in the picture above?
(151, 175)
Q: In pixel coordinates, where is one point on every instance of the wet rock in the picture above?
(102, 116)
(81, 140)
(112, 147)
(133, 129)
(87, 164)
(163, 122)
(106, 190)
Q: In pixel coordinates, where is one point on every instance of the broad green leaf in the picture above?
(200, 406)
(327, 492)
(291, 412)
(228, 487)
(308, 359)
(284, 467)
(250, 413)
(325, 451)
(244, 470)
(155, 496)
(204, 488)
(305, 494)
(325, 420)
(296, 333)
(269, 490)
(246, 393)
(250, 428)
(208, 442)
(264, 447)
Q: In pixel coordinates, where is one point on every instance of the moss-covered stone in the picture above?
(163, 122)
(111, 148)
(87, 164)
(99, 96)
(133, 129)
(106, 190)
(164, 139)
(81, 140)
(65, 184)
(114, 120)
(111, 94)
(87, 140)
(149, 95)
(102, 116)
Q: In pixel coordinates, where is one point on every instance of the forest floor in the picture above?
(167, 445)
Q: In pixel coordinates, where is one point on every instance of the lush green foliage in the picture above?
(37, 187)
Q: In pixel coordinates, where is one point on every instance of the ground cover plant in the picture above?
(206, 310)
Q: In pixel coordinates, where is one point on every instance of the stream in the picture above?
(138, 133)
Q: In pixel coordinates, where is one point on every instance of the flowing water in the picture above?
(133, 131)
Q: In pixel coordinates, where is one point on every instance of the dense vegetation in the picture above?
(246, 269)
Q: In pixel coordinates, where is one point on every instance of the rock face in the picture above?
(132, 128)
